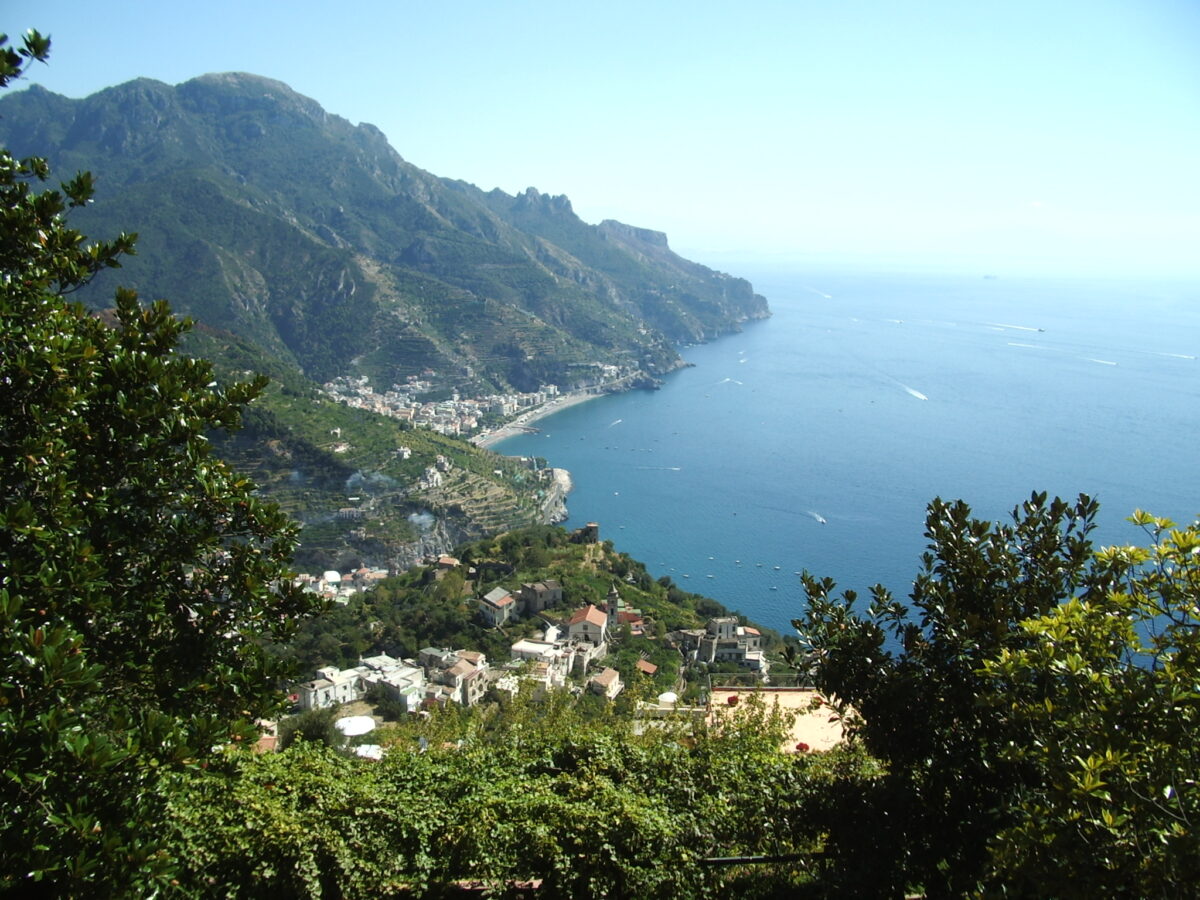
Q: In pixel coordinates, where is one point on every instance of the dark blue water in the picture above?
(814, 440)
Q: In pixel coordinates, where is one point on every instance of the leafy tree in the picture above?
(1034, 710)
(13, 60)
(1109, 687)
(911, 677)
(138, 573)
(548, 789)
(316, 725)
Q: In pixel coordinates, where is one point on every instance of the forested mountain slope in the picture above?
(264, 215)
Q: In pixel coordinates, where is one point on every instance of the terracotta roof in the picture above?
(590, 614)
(498, 597)
(648, 667)
(606, 677)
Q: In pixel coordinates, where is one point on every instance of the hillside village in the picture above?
(566, 651)
(456, 415)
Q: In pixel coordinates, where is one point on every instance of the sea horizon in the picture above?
(813, 440)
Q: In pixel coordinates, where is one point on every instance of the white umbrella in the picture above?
(354, 725)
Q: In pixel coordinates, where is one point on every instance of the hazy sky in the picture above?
(1060, 136)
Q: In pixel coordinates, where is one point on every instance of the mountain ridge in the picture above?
(270, 217)
(307, 248)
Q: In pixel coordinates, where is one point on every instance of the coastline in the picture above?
(488, 439)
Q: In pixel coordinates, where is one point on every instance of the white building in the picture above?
(497, 606)
(333, 686)
(588, 624)
(607, 683)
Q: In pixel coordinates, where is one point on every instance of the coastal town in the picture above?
(569, 646)
(569, 650)
(485, 420)
(571, 643)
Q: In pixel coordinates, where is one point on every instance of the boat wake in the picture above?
(615, 422)
(912, 392)
(816, 517)
(1013, 327)
(1103, 362)
(662, 468)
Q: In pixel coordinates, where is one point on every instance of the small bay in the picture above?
(815, 439)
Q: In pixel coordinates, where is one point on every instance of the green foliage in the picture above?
(425, 608)
(288, 226)
(13, 61)
(535, 790)
(312, 725)
(287, 446)
(1033, 709)
(1108, 688)
(138, 573)
(632, 649)
(947, 791)
(385, 705)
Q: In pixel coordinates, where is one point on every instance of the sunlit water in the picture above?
(814, 439)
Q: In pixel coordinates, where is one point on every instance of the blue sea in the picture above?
(814, 439)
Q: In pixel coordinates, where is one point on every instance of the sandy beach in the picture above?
(527, 418)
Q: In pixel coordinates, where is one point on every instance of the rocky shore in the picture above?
(554, 510)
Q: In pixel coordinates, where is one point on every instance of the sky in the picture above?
(1057, 136)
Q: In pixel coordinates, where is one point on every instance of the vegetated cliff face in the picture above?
(306, 247)
(263, 214)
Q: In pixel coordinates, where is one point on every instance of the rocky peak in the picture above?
(532, 198)
(234, 92)
(632, 233)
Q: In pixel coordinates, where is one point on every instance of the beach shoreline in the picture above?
(519, 425)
